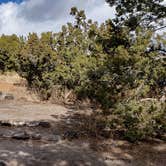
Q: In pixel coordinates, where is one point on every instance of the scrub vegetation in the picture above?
(120, 65)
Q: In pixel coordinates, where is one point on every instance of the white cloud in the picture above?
(47, 15)
(101, 13)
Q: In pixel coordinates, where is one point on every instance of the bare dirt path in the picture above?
(51, 149)
(38, 134)
(26, 111)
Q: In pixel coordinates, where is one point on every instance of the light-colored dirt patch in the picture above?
(7, 87)
(30, 112)
(12, 83)
(11, 78)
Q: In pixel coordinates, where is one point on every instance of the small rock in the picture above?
(7, 135)
(54, 138)
(45, 124)
(18, 123)
(32, 124)
(9, 97)
(2, 163)
(11, 123)
(5, 123)
(22, 135)
(20, 153)
(36, 136)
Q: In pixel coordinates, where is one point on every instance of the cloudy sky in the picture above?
(23, 16)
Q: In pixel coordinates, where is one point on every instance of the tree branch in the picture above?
(160, 28)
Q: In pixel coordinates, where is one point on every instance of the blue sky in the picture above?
(24, 16)
(5, 1)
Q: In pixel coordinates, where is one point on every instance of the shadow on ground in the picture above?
(78, 126)
(42, 154)
(78, 145)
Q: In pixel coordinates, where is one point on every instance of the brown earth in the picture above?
(14, 84)
(60, 144)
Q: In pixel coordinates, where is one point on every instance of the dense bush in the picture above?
(108, 63)
(141, 119)
(37, 62)
(10, 47)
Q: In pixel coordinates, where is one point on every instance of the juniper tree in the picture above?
(145, 13)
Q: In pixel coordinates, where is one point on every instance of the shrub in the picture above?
(142, 119)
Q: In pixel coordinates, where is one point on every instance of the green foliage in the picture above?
(106, 63)
(141, 119)
(135, 13)
(9, 49)
(37, 62)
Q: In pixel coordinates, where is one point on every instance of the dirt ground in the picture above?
(54, 148)
(12, 83)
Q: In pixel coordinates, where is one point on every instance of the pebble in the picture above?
(22, 135)
(2, 163)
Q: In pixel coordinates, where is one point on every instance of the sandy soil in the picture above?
(12, 83)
